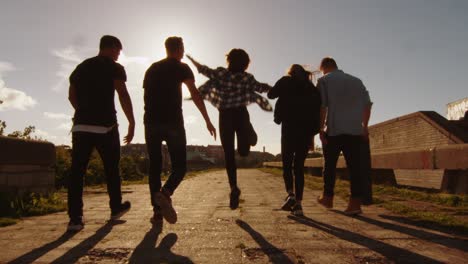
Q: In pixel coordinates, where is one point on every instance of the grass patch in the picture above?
(400, 200)
(451, 200)
(13, 207)
(428, 219)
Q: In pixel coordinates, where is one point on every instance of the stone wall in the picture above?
(26, 166)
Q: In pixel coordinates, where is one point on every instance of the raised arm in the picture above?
(127, 107)
(202, 69)
(258, 86)
(197, 99)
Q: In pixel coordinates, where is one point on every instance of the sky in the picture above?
(411, 55)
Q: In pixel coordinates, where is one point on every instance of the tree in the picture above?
(26, 134)
(2, 127)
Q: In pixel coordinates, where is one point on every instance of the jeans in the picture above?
(235, 122)
(351, 147)
(108, 147)
(366, 167)
(176, 141)
(294, 148)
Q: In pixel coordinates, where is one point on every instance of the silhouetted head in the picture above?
(110, 46)
(298, 72)
(327, 65)
(174, 47)
(238, 60)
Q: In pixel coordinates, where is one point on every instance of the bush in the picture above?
(131, 168)
(29, 204)
(62, 166)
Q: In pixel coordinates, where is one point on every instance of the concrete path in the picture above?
(209, 232)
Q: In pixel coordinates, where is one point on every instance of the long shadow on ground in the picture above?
(275, 254)
(147, 252)
(33, 255)
(427, 224)
(390, 252)
(421, 234)
(78, 251)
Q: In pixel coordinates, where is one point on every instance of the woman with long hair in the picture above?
(230, 90)
(298, 111)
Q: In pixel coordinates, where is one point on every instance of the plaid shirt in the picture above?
(225, 89)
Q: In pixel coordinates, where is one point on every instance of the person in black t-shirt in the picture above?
(298, 111)
(164, 122)
(92, 90)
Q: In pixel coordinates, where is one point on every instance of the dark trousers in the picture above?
(294, 148)
(366, 167)
(108, 147)
(176, 141)
(235, 122)
(350, 145)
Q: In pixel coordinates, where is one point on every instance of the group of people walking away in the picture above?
(338, 109)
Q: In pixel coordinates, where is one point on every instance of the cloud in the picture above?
(135, 67)
(44, 135)
(65, 126)
(128, 60)
(11, 98)
(51, 115)
(6, 66)
(68, 58)
(68, 54)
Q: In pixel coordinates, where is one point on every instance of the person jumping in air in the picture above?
(230, 90)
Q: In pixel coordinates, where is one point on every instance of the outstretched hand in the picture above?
(196, 63)
(211, 129)
(129, 137)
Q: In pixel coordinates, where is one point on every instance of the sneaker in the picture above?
(289, 202)
(354, 207)
(124, 207)
(234, 198)
(297, 210)
(325, 201)
(351, 212)
(165, 203)
(75, 225)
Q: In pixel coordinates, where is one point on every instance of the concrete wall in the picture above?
(418, 130)
(421, 149)
(26, 165)
(407, 132)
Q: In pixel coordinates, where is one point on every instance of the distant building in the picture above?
(199, 156)
(456, 110)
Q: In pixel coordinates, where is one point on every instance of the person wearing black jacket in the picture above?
(298, 111)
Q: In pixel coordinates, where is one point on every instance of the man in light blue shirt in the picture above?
(344, 119)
